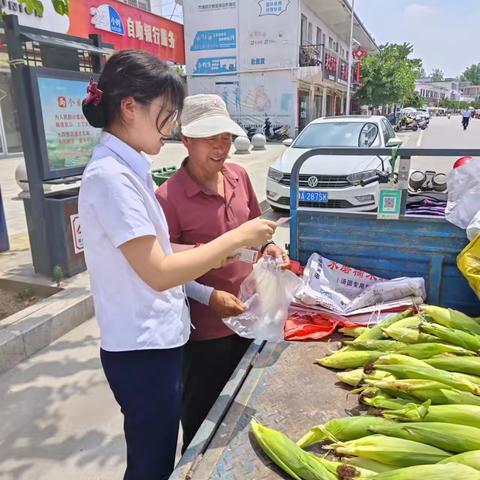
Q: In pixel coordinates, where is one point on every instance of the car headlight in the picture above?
(275, 175)
(356, 178)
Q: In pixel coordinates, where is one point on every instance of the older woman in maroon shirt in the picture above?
(205, 198)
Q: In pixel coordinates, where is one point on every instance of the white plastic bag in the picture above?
(463, 194)
(267, 293)
(343, 289)
(473, 228)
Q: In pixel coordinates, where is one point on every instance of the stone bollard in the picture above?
(242, 145)
(259, 141)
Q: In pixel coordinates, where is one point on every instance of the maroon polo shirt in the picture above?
(196, 214)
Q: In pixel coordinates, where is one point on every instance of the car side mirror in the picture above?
(394, 142)
(288, 141)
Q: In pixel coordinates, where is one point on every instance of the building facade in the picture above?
(278, 61)
(449, 89)
(119, 23)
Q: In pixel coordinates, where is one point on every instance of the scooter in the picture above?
(407, 123)
(279, 133)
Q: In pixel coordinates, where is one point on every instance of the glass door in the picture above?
(9, 124)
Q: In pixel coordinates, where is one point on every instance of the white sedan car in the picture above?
(333, 182)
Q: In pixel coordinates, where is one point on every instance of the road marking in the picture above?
(420, 138)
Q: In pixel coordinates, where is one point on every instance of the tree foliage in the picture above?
(472, 74)
(415, 101)
(437, 75)
(389, 77)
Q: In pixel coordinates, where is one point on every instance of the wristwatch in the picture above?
(270, 242)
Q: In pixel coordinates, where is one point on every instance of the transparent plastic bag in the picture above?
(267, 293)
(463, 194)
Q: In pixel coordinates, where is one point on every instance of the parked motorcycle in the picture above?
(406, 123)
(277, 133)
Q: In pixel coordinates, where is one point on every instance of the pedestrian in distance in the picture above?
(466, 118)
(138, 277)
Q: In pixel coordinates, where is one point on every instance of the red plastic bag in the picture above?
(311, 325)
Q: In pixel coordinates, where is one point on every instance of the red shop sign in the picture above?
(127, 27)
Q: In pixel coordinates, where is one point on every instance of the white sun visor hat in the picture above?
(207, 115)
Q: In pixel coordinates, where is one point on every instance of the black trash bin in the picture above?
(65, 242)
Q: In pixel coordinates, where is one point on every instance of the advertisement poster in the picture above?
(331, 66)
(211, 51)
(69, 137)
(269, 34)
(121, 25)
(253, 98)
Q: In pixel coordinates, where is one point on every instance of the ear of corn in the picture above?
(409, 335)
(456, 337)
(357, 376)
(354, 359)
(375, 333)
(399, 359)
(414, 388)
(452, 319)
(430, 373)
(342, 429)
(298, 463)
(432, 472)
(471, 459)
(353, 331)
(345, 472)
(427, 350)
(459, 414)
(377, 345)
(447, 436)
(459, 398)
(385, 401)
(368, 464)
(391, 451)
(468, 365)
(409, 322)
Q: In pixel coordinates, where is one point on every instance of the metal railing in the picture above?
(311, 55)
(405, 153)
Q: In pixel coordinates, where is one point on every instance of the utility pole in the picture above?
(350, 58)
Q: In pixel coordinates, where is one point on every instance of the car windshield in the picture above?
(332, 134)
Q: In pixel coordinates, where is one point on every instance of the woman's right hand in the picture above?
(255, 233)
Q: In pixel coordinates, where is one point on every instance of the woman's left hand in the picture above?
(276, 252)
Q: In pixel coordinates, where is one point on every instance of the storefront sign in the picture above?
(69, 137)
(121, 25)
(330, 66)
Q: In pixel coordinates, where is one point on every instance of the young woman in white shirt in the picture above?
(137, 279)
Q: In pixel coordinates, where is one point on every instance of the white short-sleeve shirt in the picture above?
(117, 204)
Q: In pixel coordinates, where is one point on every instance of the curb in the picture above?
(43, 323)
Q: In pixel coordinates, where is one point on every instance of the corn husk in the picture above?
(349, 359)
(451, 318)
(459, 398)
(432, 472)
(409, 335)
(368, 464)
(377, 345)
(357, 376)
(386, 402)
(455, 337)
(391, 451)
(459, 414)
(298, 463)
(452, 363)
(353, 331)
(429, 373)
(470, 459)
(375, 333)
(342, 430)
(447, 436)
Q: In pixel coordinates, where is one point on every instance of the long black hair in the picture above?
(137, 74)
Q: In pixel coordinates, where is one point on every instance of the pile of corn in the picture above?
(420, 377)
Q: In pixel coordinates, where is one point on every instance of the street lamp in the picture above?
(350, 58)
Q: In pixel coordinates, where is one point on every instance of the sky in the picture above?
(444, 33)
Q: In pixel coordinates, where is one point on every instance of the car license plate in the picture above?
(315, 197)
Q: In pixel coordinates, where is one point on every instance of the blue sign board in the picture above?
(215, 65)
(215, 40)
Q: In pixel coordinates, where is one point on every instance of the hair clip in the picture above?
(94, 94)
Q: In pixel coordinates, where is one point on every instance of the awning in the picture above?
(60, 42)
